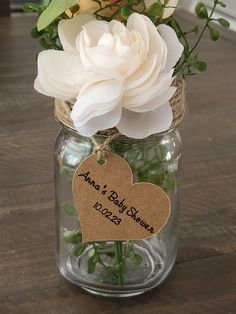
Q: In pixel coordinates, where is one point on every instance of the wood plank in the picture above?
(32, 196)
(202, 286)
(27, 158)
(27, 250)
(25, 108)
(201, 171)
(17, 26)
(17, 70)
(207, 219)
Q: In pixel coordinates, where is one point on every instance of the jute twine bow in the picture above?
(102, 149)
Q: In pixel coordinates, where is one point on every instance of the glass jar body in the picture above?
(139, 265)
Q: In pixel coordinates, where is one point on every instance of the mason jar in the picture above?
(139, 265)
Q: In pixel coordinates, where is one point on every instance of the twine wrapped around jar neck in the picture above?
(177, 102)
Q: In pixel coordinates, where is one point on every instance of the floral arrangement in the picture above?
(116, 60)
(116, 63)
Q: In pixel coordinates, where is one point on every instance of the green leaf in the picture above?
(214, 34)
(222, 4)
(137, 259)
(153, 168)
(45, 3)
(69, 210)
(55, 9)
(101, 244)
(67, 171)
(170, 180)
(156, 9)
(80, 250)
(52, 31)
(44, 43)
(201, 11)
(110, 254)
(195, 29)
(30, 7)
(91, 252)
(35, 33)
(92, 262)
(224, 23)
(125, 12)
(72, 237)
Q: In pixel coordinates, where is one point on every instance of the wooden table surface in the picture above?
(204, 277)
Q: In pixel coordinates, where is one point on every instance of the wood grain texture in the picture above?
(204, 278)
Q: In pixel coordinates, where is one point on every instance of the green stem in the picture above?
(183, 35)
(112, 5)
(119, 261)
(178, 68)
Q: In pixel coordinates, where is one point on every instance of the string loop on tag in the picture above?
(102, 149)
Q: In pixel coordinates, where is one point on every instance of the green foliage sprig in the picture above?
(50, 12)
(118, 9)
(48, 35)
(191, 64)
(121, 252)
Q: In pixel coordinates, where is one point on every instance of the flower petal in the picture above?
(156, 50)
(92, 32)
(105, 121)
(141, 125)
(97, 99)
(68, 30)
(142, 97)
(137, 23)
(174, 47)
(59, 74)
(144, 77)
(158, 101)
(152, 39)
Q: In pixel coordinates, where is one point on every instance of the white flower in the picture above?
(119, 76)
(169, 8)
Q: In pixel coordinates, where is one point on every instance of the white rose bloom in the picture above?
(119, 76)
(168, 10)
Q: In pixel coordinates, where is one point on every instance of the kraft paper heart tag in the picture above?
(111, 207)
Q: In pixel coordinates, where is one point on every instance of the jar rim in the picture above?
(104, 134)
